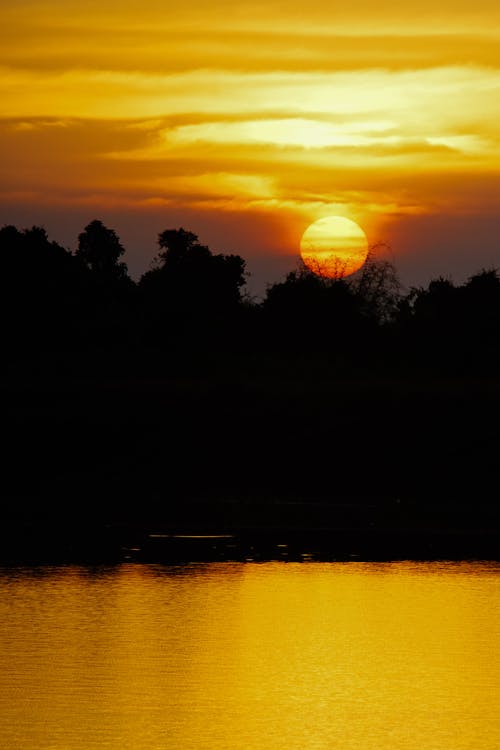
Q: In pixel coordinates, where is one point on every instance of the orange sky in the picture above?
(245, 122)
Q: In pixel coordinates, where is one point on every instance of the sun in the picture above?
(334, 247)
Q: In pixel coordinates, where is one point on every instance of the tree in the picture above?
(100, 249)
(191, 292)
(111, 297)
(33, 267)
(190, 278)
(308, 311)
(43, 287)
(180, 248)
(480, 302)
(378, 287)
(455, 326)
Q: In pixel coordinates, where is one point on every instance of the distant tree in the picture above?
(455, 327)
(480, 314)
(43, 287)
(189, 277)
(31, 255)
(180, 248)
(302, 293)
(437, 303)
(213, 279)
(111, 308)
(429, 323)
(33, 263)
(313, 312)
(100, 249)
(378, 287)
(190, 290)
(481, 293)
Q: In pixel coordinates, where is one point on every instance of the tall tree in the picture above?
(192, 293)
(43, 288)
(378, 288)
(189, 277)
(100, 249)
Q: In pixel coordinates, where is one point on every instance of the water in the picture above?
(235, 656)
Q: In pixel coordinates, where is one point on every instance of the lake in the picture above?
(249, 656)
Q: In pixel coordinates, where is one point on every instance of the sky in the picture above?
(245, 122)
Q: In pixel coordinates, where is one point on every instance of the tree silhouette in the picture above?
(100, 249)
(307, 311)
(454, 327)
(190, 288)
(44, 288)
(193, 296)
(199, 276)
(480, 317)
(31, 255)
(377, 286)
(180, 247)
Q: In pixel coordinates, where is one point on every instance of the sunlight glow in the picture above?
(284, 132)
(334, 247)
(383, 111)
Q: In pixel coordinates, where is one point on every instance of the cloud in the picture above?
(382, 112)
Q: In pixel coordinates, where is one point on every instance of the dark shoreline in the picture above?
(47, 543)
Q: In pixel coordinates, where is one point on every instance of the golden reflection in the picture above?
(251, 657)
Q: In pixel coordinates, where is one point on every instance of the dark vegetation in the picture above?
(343, 415)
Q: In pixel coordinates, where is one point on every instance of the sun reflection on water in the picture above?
(231, 655)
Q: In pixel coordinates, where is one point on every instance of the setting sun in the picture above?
(334, 247)
(244, 124)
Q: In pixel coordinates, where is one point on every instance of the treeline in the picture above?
(179, 398)
(55, 300)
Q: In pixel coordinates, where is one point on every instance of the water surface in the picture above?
(234, 656)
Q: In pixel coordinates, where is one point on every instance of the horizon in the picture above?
(262, 271)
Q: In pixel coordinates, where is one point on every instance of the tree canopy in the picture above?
(100, 249)
(189, 278)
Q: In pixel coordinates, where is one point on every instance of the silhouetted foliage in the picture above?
(100, 249)
(335, 315)
(481, 301)
(28, 257)
(194, 298)
(307, 311)
(193, 275)
(329, 388)
(451, 326)
(111, 304)
(378, 288)
(43, 289)
(191, 290)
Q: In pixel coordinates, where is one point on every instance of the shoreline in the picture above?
(48, 543)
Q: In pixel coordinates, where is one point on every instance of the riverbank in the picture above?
(43, 541)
